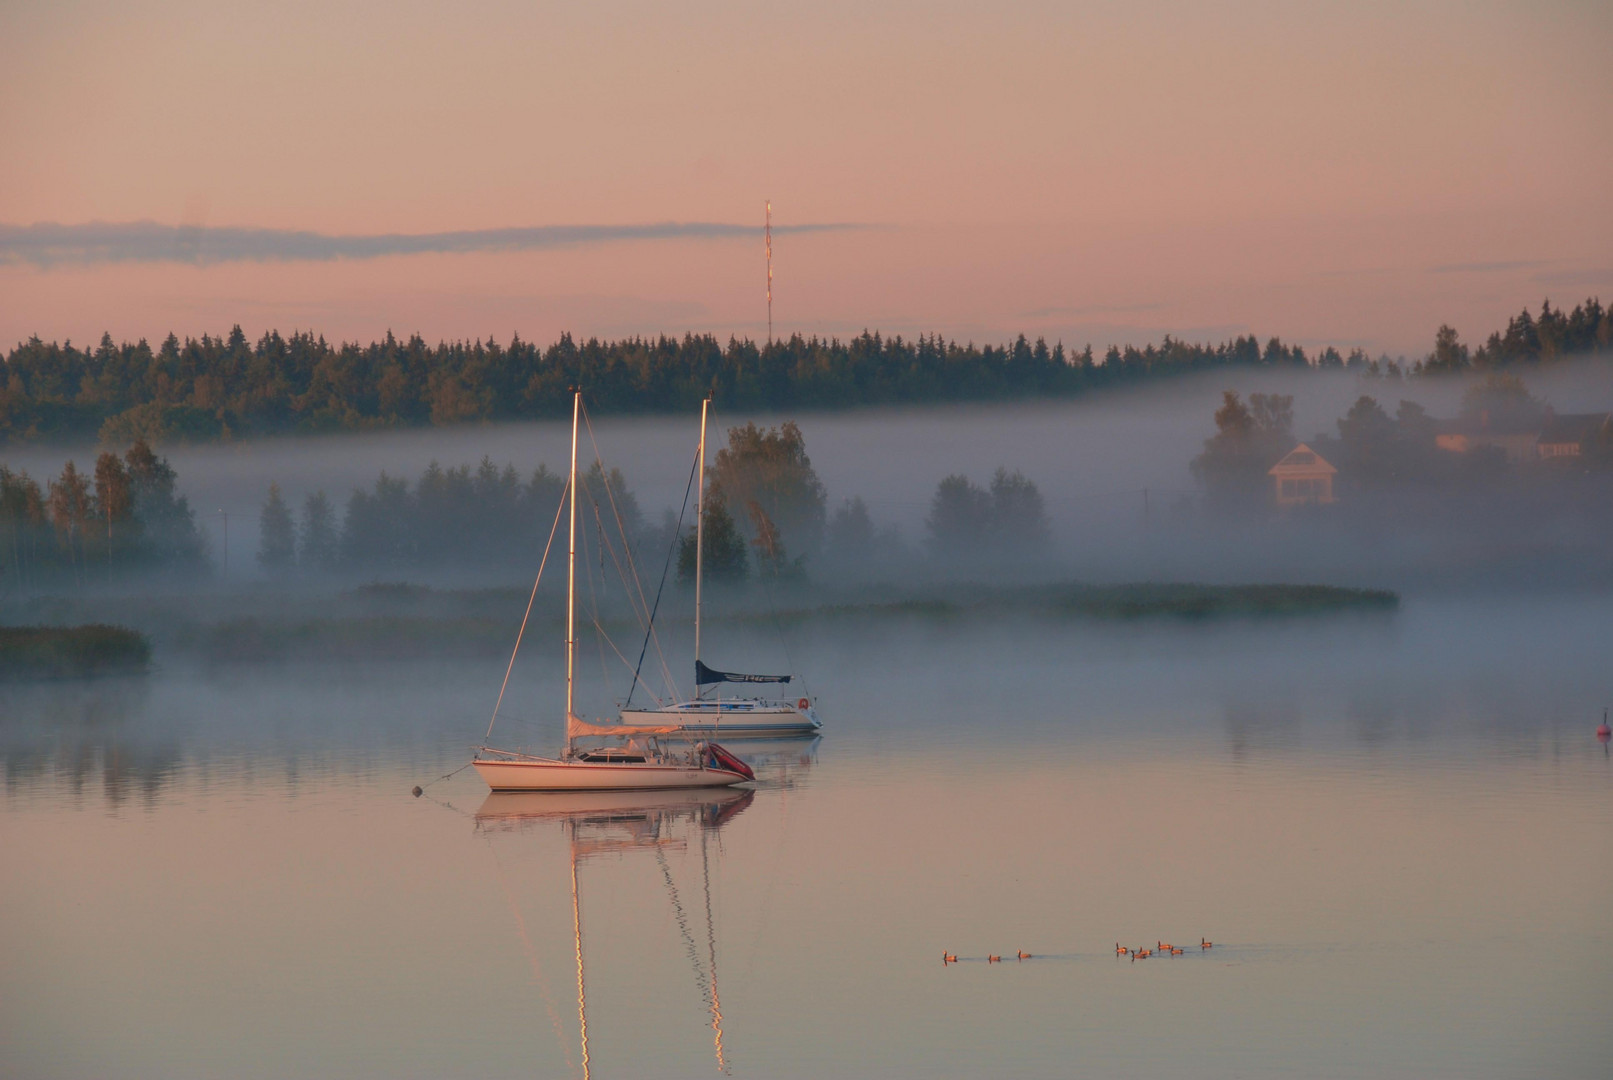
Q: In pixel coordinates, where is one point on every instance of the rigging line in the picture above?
(627, 548)
(682, 919)
(641, 607)
(606, 545)
(677, 536)
(600, 637)
(606, 639)
(445, 776)
(541, 564)
(532, 956)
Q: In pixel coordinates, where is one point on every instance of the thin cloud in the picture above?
(49, 244)
(1489, 267)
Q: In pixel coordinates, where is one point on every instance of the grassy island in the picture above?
(1116, 602)
(71, 652)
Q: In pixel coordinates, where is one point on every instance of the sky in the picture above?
(1330, 173)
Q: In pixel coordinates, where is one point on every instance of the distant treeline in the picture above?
(766, 516)
(219, 387)
(92, 526)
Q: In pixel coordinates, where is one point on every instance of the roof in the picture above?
(1483, 425)
(1302, 461)
(1572, 427)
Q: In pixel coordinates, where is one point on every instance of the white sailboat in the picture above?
(648, 760)
(730, 717)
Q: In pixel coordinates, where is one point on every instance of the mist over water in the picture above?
(1112, 468)
(1392, 821)
(1392, 826)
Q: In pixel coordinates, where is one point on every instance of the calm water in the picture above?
(1396, 830)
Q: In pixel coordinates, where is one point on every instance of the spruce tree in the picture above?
(277, 539)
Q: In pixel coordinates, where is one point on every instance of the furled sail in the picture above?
(704, 675)
(578, 728)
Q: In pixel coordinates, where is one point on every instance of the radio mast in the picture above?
(767, 240)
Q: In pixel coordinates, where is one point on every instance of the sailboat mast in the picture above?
(571, 563)
(700, 536)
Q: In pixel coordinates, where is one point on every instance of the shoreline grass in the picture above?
(451, 632)
(71, 652)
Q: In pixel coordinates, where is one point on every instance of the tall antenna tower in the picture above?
(767, 239)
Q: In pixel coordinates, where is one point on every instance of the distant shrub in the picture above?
(71, 652)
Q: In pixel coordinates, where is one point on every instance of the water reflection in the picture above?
(605, 823)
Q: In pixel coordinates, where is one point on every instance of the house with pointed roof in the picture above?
(1302, 476)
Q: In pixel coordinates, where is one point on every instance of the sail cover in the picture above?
(704, 675)
(578, 728)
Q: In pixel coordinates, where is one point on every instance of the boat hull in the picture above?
(781, 722)
(546, 774)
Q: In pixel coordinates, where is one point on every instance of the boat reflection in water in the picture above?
(620, 822)
(777, 763)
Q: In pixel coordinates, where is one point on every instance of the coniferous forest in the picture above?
(210, 387)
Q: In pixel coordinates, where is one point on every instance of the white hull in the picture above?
(732, 719)
(548, 774)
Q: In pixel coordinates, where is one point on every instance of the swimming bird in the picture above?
(1176, 952)
(1023, 955)
(1205, 943)
(949, 958)
(1121, 950)
(994, 959)
(1163, 946)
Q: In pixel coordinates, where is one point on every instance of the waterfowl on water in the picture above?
(1023, 955)
(1205, 943)
(994, 959)
(949, 958)
(1121, 950)
(1176, 952)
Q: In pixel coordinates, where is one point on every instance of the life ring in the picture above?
(802, 704)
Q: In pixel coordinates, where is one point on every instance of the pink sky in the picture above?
(1331, 173)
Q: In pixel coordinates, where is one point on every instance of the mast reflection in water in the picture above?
(618, 823)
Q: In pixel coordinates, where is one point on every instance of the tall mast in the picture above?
(700, 534)
(571, 561)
